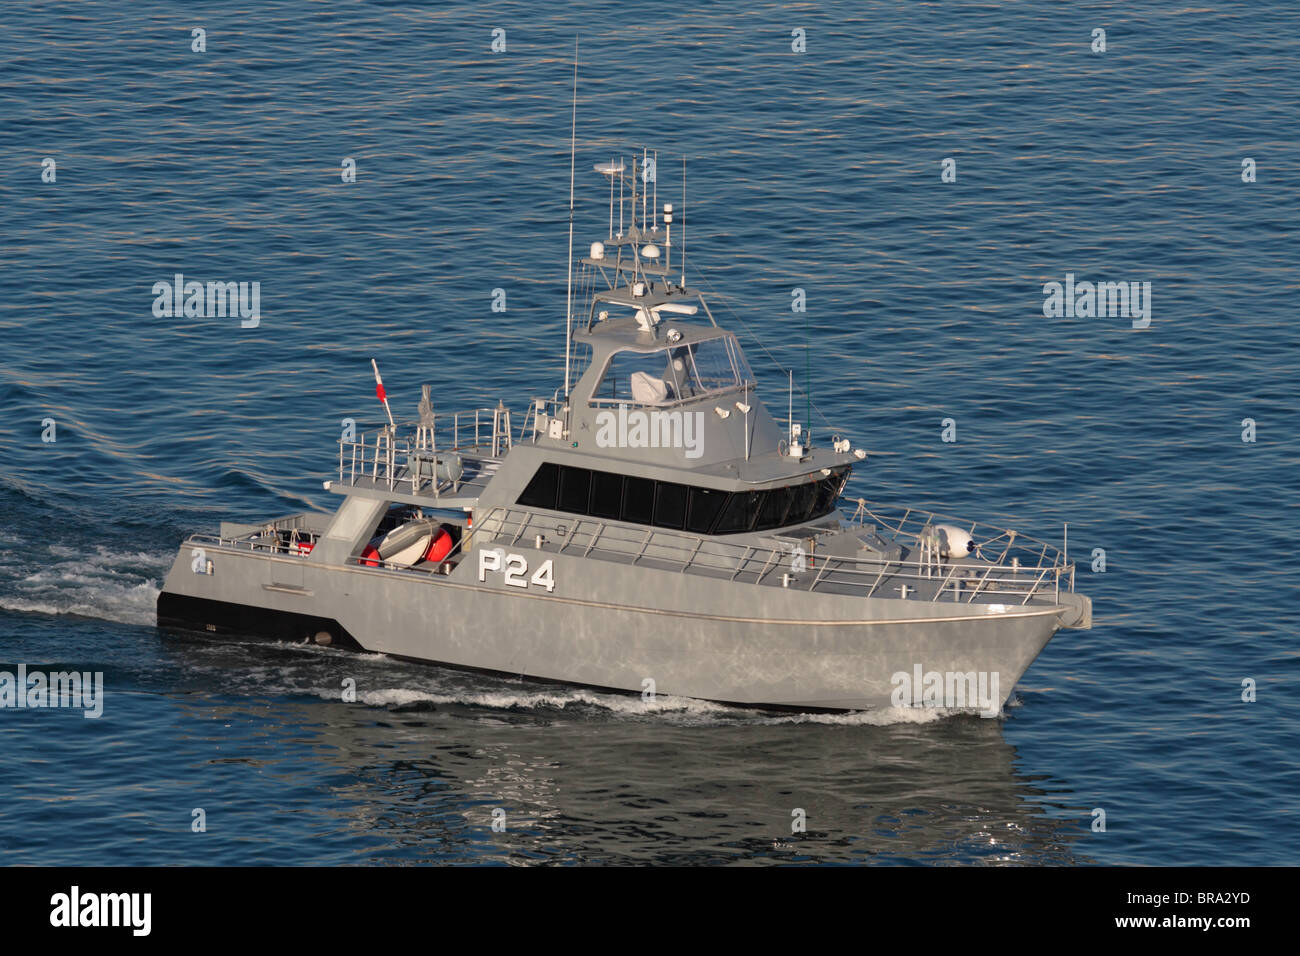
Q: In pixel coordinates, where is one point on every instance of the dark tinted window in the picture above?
(776, 502)
(827, 491)
(739, 513)
(606, 494)
(704, 506)
(575, 487)
(540, 492)
(805, 496)
(638, 500)
(670, 505)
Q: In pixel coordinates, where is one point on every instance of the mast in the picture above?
(573, 147)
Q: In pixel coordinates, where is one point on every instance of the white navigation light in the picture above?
(650, 252)
(598, 250)
(668, 212)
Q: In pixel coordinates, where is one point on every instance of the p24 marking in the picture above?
(514, 567)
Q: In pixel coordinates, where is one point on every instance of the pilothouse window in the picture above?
(674, 373)
(606, 495)
(601, 494)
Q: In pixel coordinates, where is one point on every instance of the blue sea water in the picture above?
(818, 170)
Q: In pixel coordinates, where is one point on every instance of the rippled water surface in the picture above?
(817, 170)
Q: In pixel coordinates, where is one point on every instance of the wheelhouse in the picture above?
(665, 374)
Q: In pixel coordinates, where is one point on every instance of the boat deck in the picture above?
(1018, 571)
(1007, 569)
(429, 465)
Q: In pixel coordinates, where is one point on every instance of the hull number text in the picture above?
(515, 569)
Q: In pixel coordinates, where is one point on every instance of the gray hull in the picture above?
(691, 636)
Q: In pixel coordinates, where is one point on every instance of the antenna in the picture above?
(807, 374)
(668, 243)
(643, 189)
(683, 223)
(573, 148)
(790, 405)
(611, 169)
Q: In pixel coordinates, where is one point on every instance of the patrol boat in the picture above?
(649, 527)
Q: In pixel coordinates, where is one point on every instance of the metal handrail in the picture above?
(385, 459)
(385, 455)
(914, 522)
(686, 552)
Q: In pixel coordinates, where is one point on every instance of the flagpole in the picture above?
(383, 396)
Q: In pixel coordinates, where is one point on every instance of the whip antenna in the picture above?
(573, 146)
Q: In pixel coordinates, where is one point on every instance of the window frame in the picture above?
(731, 351)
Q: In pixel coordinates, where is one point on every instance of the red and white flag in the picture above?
(379, 391)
